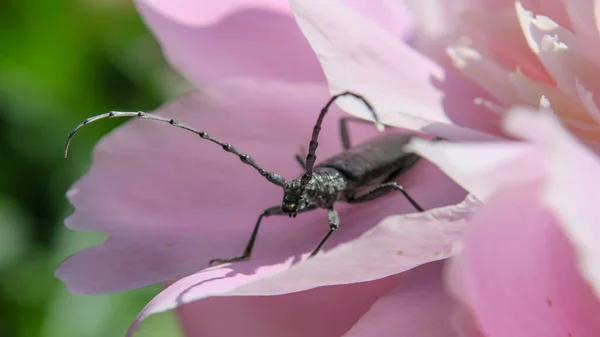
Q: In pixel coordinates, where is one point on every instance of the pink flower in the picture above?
(530, 261)
(171, 202)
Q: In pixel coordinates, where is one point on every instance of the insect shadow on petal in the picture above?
(358, 174)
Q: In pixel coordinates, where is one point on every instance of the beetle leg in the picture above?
(300, 157)
(334, 222)
(344, 133)
(301, 161)
(274, 210)
(384, 189)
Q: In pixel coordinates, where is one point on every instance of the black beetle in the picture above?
(358, 174)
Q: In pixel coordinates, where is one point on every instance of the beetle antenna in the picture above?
(246, 159)
(312, 147)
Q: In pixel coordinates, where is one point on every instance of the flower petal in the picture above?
(398, 244)
(554, 9)
(208, 40)
(574, 116)
(171, 202)
(539, 28)
(407, 89)
(586, 97)
(581, 14)
(516, 272)
(465, 324)
(571, 190)
(418, 306)
(485, 72)
(391, 15)
(207, 13)
(497, 34)
(597, 14)
(483, 168)
(325, 311)
(434, 18)
(554, 157)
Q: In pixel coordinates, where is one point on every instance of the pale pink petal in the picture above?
(397, 244)
(208, 40)
(435, 18)
(571, 188)
(407, 89)
(465, 324)
(583, 72)
(597, 14)
(538, 28)
(581, 14)
(555, 56)
(498, 35)
(541, 33)
(488, 5)
(392, 15)
(569, 65)
(483, 168)
(492, 28)
(517, 272)
(320, 312)
(418, 307)
(485, 72)
(586, 98)
(531, 91)
(554, 9)
(171, 202)
(453, 10)
(210, 12)
(574, 116)
(535, 27)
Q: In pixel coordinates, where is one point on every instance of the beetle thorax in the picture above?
(322, 191)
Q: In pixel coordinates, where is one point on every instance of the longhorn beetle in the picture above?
(358, 174)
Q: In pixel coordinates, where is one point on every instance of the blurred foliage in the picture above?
(60, 62)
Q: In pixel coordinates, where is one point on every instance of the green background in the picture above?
(60, 62)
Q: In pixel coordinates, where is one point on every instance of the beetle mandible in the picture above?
(358, 174)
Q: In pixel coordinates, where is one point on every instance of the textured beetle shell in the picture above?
(374, 161)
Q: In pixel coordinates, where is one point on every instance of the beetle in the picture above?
(357, 174)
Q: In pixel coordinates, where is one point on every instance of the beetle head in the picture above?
(294, 198)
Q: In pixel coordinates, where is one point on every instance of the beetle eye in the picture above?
(289, 207)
